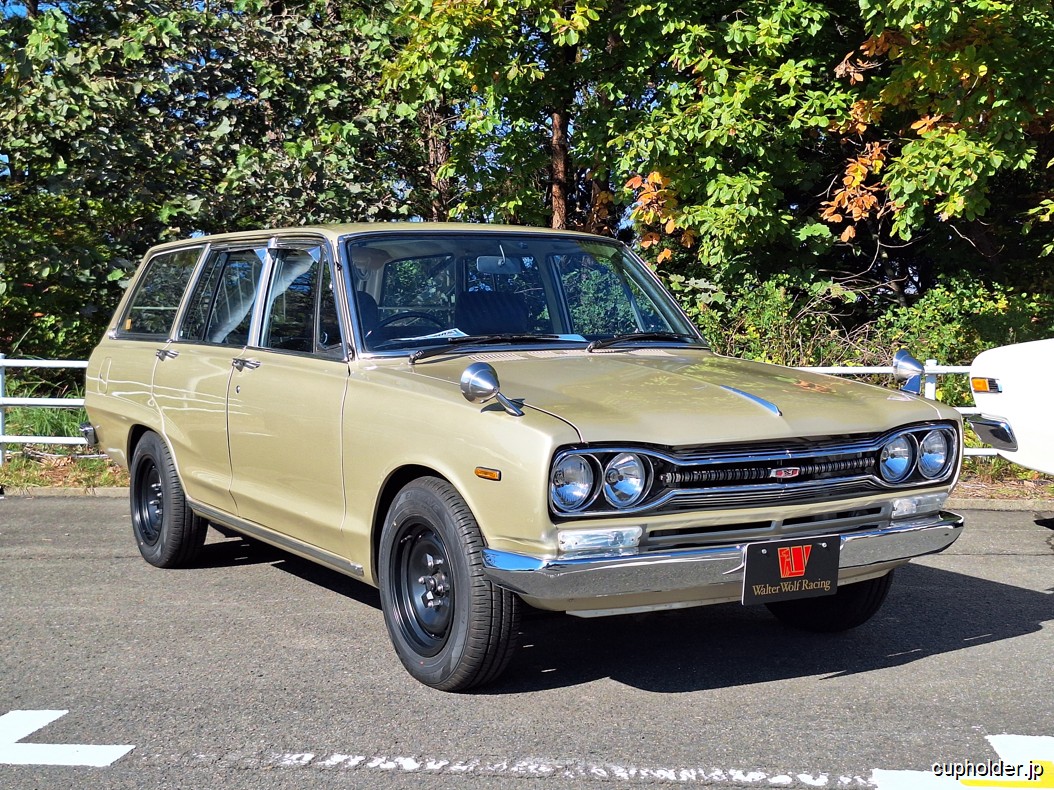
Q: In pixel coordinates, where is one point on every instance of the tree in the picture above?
(875, 165)
(124, 124)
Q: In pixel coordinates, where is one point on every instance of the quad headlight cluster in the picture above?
(925, 454)
(578, 479)
(612, 480)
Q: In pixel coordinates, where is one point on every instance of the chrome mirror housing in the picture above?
(908, 371)
(479, 384)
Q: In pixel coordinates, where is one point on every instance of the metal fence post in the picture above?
(931, 380)
(3, 409)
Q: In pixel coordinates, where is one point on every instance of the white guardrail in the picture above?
(930, 373)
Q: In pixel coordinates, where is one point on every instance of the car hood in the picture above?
(678, 397)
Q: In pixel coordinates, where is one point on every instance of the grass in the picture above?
(55, 466)
(34, 469)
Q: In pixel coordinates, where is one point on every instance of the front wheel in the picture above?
(167, 532)
(450, 625)
(853, 605)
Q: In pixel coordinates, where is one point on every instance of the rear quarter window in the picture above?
(152, 308)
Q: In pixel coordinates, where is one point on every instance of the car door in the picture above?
(194, 371)
(285, 403)
(121, 370)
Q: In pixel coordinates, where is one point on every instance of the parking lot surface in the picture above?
(256, 669)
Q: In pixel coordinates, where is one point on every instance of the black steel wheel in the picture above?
(853, 605)
(451, 627)
(167, 532)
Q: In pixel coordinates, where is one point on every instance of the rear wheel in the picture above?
(167, 532)
(450, 625)
(853, 605)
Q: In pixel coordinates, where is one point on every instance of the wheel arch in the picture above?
(135, 435)
(396, 481)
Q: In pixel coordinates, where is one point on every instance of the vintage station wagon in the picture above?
(473, 417)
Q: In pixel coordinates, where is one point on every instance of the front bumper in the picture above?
(693, 570)
(994, 431)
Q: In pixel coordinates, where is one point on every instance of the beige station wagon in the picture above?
(471, 417)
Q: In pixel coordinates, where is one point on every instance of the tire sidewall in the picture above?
(420, 503)
(151, 449)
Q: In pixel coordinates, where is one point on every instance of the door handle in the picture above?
(166, 353)
(241, 364)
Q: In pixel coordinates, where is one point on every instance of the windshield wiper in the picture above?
(456, 344)
(635, 337)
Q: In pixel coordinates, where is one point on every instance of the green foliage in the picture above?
(961, 317)
(811, 176)
(786, 320)
(123, 125)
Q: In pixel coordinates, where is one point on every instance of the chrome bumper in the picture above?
(692, 569)
(994, 431)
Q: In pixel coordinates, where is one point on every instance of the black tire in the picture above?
(168, 533)
(853, 605)
(452, 628)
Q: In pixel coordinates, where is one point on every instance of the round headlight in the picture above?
(572, 482)
(625, 479)
(933, 453)
(896, 459)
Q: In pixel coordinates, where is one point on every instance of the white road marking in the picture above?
(19, 724)
(512, 768)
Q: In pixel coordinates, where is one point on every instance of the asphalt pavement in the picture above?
(256, 669)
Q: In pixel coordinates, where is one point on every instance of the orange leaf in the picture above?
(848, 234)
(665, 255)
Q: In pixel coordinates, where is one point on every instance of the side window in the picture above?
(328, 342)
(221, 306)
(301, 305)
(196, 317)
(152, 308)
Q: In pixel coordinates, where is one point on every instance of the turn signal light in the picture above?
(985, 385)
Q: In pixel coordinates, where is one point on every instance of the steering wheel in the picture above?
(402, 316)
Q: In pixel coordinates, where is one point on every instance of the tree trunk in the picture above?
(561, 168)
(434, 119)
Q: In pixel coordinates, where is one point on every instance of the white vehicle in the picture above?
(1012, 387)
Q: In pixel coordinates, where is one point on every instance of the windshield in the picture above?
(419, 290)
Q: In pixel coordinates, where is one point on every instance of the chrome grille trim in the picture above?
(835, 523)
(723, 476)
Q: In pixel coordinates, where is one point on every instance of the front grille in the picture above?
(793, 471)
(719, 497)
(832, 523)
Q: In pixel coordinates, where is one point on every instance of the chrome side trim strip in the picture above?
(278, 540)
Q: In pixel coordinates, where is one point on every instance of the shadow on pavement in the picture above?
(929, 612)
(246, 551)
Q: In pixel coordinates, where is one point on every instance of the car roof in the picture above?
(335, 232)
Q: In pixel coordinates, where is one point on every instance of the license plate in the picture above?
(788, 569)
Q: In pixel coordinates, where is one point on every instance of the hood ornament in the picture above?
(479, 384)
